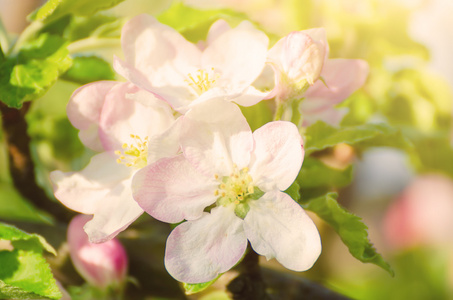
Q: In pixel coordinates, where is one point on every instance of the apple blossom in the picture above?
(299, 60)
(102, 265)
(240, 176)
(133, 128)
(162, 61)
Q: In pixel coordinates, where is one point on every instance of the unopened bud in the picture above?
(102, 265)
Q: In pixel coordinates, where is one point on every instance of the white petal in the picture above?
(251, 96)
(114, 213)
(84, 110)
(158, 51)
(130, 110)
(218, 28)
(178, 97)
(277, 227)
(215, 136)
(277, 157)
(83, 191)
(171, 190)
(238, 55)
(198, 251)
(165, 144)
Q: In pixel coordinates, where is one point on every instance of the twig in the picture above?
(21, 165)
(249, 285)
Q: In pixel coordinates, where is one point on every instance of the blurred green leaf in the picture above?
(98, 25)
(34, 70)
(316, 174)
(434, 154)
(320, 136)
(352, 231)
(54, 9)
(15, 208)
(194, 23)
(87, 69)
(193, 288)
(258, 114)
(25, 273)
(293, 191)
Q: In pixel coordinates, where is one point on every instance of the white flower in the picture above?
(162, 61)
(242, 175)
(132, 128)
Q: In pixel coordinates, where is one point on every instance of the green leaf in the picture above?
(24, 272)
(98, 25)
(258, 114)
(293, 191)
(87, 69)
(352, 231)
(193, 288)
(194, 23)
(14, 207)
(316, 174)
(37, 66)
(54, 9)
(320, 136)
(12, 292)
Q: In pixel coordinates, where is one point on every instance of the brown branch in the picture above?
(255, 284)
(21, 165)
(249, 285)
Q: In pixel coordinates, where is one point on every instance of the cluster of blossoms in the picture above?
(174, 143)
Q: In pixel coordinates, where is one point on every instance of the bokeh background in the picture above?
(405, 199)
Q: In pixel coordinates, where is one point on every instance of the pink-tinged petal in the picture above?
(250, 96)
(215, 136)
(329, 114)
(198, 251)
(277, 227)
(171, 190)
(158, 52)
(303, 57)
(318, 34)
(114, 213)
(84, 110)
(83, 191)
(218, 28)
(130, 110)
(297, 59)
(166, 144)
(101, 265)
(342, 76)
(278, 155)
(238, 56)
(178, 97)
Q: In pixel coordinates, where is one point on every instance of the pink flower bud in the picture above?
(102, 265)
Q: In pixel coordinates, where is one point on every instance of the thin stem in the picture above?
(92, 43)
(4, 40)
(249, 285)
(281, 107)
(29, 32)
(21, 165)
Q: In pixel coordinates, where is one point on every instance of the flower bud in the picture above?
(298, 60)
(102, 265)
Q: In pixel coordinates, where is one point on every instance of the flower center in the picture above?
(237, 189)
(134, 154)
(202, 80)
